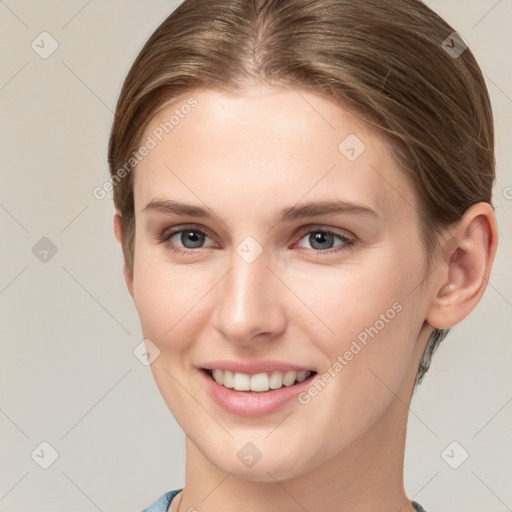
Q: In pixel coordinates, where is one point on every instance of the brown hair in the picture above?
(395, 63)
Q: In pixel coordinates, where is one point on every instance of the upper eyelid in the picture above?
(320, 227)
(190, 227)
(343, 233)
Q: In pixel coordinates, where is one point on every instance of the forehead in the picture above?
(266, 144)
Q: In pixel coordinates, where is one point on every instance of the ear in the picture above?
(118, 232)
(465, 267)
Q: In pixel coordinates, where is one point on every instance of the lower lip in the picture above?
(246, 403)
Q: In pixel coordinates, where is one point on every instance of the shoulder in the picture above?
(162, 503)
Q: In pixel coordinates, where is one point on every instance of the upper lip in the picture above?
(254, 366)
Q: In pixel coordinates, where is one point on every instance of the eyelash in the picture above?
(167, 234)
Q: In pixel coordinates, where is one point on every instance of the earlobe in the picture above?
(466, 266)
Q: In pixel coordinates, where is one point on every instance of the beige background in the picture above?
(68, 375)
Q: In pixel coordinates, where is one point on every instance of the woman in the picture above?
(303, 198)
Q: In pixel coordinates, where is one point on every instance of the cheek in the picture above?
(373, 311)
(167, 298)
(369, 354)
(164, 297)
(357, 296)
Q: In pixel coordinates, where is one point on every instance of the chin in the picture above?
(270, 468)
(264, 473)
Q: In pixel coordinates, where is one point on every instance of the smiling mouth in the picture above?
(260, 382)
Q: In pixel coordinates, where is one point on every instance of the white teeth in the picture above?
(218, 375)
(302, 375)
(276, 380)
(242, 382)
(260, 382)
(289, 378)
(226, 379)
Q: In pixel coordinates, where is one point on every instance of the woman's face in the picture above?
(274, 279)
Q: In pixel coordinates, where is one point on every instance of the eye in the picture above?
(322, 239)
(187, 235)
(193, 238)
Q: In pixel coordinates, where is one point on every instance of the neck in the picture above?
(367, 475)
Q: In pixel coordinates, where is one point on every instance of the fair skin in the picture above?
(245, 158)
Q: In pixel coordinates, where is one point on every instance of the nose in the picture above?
(250, 302)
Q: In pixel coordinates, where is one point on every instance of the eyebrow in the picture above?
(311, 209)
